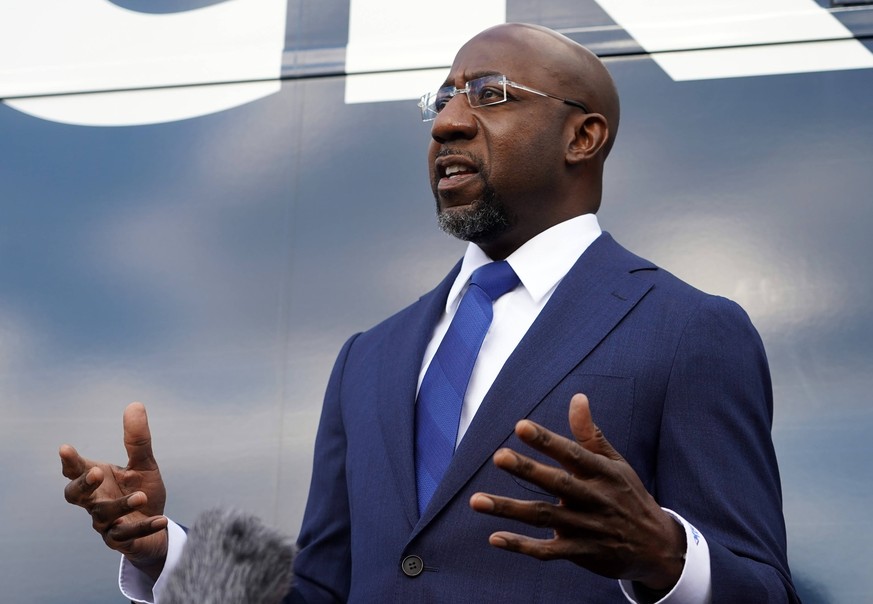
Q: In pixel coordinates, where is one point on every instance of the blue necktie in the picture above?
(441, 394)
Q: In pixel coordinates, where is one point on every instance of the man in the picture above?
(674, 492)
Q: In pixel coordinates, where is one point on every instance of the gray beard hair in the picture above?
(480, 222)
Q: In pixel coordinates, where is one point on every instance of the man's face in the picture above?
(493, 169)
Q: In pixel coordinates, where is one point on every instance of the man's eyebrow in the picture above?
(472, 76)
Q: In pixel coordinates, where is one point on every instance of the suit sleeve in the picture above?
(322, 568)
(716, 462)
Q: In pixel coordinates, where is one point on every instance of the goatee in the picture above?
(480, 221)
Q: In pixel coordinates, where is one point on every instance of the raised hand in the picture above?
(605, 519)
(126, 504)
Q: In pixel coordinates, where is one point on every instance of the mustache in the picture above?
(446, 151)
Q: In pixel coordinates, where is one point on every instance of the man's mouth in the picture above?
(456, 170)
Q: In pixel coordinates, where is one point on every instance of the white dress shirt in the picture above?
(541, 263)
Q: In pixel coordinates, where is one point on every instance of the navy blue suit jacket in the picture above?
(677, 380)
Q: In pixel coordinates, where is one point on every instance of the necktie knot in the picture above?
(495, 279)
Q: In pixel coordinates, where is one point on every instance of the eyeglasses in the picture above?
(481, 92)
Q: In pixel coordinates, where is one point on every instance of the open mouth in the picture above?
(454, 170)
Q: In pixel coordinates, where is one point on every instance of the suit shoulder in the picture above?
(670, 289)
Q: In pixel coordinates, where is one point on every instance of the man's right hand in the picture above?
(126, 504)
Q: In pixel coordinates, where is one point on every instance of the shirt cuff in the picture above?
(695, 583)
(137, 586)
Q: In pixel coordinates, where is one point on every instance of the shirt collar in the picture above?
(540, 263)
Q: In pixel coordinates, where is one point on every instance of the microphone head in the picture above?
(231, 558)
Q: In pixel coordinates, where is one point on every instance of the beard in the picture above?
(480, 221)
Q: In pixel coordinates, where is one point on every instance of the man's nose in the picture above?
(455, 121)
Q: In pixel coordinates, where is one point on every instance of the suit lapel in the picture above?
(401, 354)
(590, 301)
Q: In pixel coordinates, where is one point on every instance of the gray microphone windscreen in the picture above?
(231, 558)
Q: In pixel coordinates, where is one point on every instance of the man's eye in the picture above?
(440, 102)
(490, 94)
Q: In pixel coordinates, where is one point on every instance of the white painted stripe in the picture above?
(690, 24)
(393, 86)
(761, 31)
(765, 60)
(392, 35)
(140, 107)
(59, 46)
(62, 46)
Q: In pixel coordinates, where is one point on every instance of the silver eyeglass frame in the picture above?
(428, 102)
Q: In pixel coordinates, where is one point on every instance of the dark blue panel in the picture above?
(316, 35)
(857, 19)
(138, 263)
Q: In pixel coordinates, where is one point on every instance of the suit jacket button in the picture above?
(412, 566)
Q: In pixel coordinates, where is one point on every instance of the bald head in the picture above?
(578, 73)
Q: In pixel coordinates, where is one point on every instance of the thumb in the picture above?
(138, 438)
(73, 465)
(586, 431)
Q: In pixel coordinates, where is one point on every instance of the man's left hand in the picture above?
(604, 521)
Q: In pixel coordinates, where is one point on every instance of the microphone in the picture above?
(231, 558)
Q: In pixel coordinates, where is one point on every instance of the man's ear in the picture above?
(589, 135)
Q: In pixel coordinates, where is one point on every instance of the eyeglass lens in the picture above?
(488, 90)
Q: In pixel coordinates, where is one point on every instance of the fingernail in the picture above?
(498, 541)
(89, 480)
(506, 458)
(526, 429)
(485, 504)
